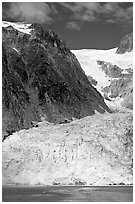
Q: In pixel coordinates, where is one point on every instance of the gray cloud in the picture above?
(30, 12)
(75, 13)
(73, 25)
(107, 12)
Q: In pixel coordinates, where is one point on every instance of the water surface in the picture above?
(67, 193)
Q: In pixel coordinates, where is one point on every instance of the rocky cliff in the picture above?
(42, 79)
(126, 44)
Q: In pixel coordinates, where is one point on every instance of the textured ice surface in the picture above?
(93, 150)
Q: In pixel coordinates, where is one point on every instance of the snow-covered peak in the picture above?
(21, 26)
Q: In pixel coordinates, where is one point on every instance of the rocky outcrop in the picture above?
(121, 84)
(126, 44)
(42, 79)
(95, 150)
(112, 71)
(92, 81)
(122, 88)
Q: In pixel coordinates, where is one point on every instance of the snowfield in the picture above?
(88, 60)
(90, 56)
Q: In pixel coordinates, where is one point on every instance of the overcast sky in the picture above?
(98, 25)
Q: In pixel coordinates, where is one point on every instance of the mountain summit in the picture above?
(42, 79)
(126, 44)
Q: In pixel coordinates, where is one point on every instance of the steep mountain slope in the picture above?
(42, 79)
(95, 150)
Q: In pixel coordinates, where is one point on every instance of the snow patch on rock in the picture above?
(124, 72)
(15, 49)
(114, 102)
(21, 26)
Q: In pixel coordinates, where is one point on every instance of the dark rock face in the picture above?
(113, 71)
(43, 79)
(92, 80)
(126, 44)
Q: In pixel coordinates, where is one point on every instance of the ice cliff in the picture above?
(95, 150)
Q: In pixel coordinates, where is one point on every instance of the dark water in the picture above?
(67, 193)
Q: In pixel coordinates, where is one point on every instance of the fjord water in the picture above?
(67, 193)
